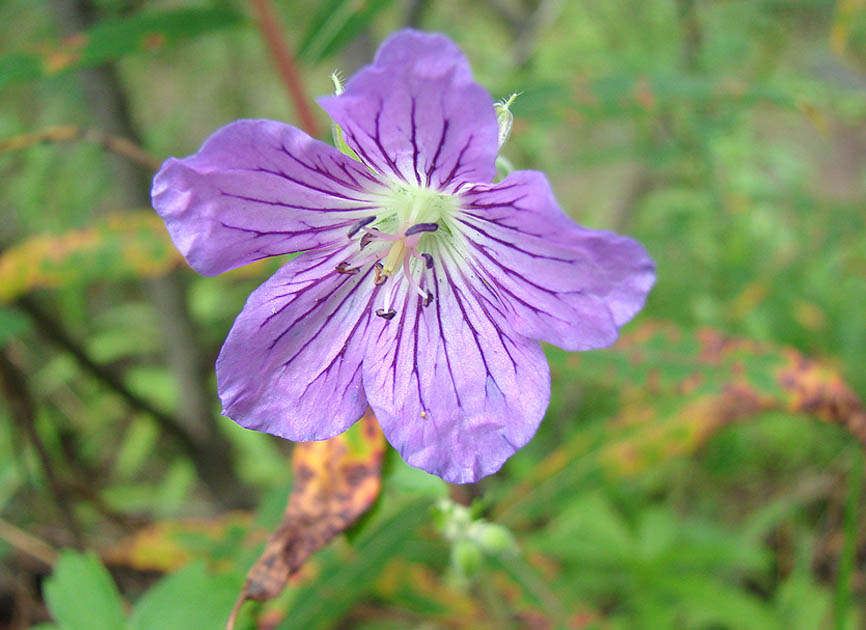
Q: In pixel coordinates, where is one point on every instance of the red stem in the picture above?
(282, 57)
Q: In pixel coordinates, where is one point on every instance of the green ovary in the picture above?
(408, 205)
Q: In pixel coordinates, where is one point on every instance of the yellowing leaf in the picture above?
(164, 546)
(131, 244)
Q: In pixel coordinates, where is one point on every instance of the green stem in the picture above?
(846, 559)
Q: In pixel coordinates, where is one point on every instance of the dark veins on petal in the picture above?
(303, 184)
(363, 319)
(329, 174)
(460, 298)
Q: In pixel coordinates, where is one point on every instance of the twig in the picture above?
(23, 410)
(27, 543)
(529, 28)
(54, 331)
(283, 59)
(415, 12)
(692, 38)
(69, 133)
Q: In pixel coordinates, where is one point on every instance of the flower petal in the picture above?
(291, 365)
(454, 388)
(417, 113)
(555, 280)
(259, 188)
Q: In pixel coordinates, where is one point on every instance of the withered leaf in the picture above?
(336, 481)
(677, 388)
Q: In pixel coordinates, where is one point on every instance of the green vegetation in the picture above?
(703, 474)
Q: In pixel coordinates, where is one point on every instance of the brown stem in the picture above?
(23, 411)
(27, 543)
(285, 62)
(690, 29)
(68, 133)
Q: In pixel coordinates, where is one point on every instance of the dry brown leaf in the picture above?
(336, 481)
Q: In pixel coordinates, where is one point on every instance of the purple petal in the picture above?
(259, 188)
(454, 388)
(417, 113)
(555, 280)
(291, 365)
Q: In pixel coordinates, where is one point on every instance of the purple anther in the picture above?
(428, 299)
(356, 227)
(422, 227)
(343, 267)
(428, 260)
(388, 315)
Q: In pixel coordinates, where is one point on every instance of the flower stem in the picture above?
(282, 57)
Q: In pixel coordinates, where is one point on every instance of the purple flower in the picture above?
(422, 289)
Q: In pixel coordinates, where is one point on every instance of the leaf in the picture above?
(336, 481)
(190, 598)
(321, 603)
(131, 244)
(168, 545)
(12, 323)
(678, 388)
(82, 596)
(336, 23)
(113, 39)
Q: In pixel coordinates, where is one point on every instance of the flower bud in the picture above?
(504, 117)
(467, 557)
(495, 539)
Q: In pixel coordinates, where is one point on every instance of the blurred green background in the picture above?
(678, 481)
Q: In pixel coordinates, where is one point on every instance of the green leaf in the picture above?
(335, 24)
(412, 481)
(11, 323)
(190, 598)
(113, 39)
(82, 596)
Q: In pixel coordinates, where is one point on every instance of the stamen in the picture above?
(368, 238)
(380, 277)
(357, 226)
(343, 267)
(422, 227)
(411, 279)
(387, 315)
(428, 299)
(428, 259)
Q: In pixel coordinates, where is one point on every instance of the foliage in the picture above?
(703, 473)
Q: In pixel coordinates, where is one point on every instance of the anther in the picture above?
(357, 226)
(428, 260)
(380, 277)
(422, 227)
(368, 238)
(428, 299)
(387, 315)
(343, 267)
